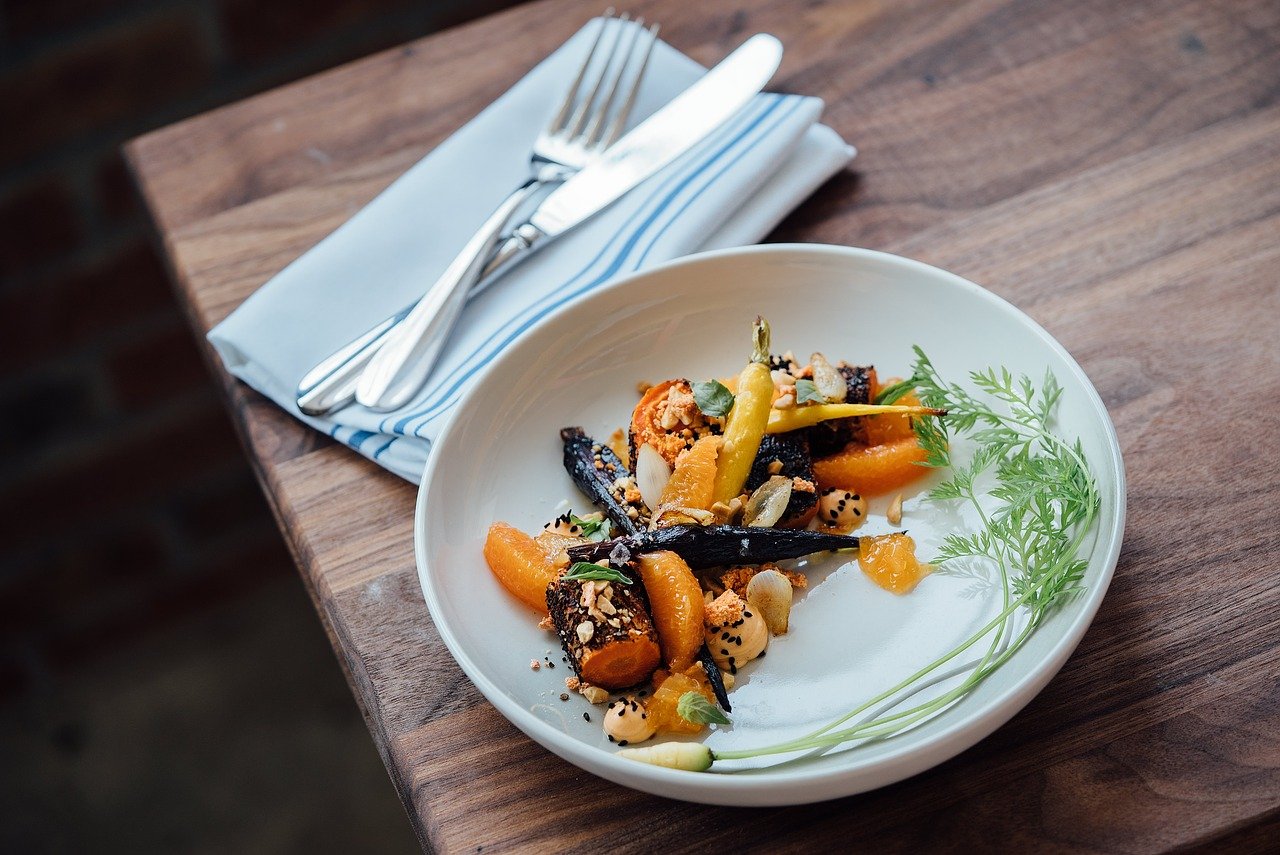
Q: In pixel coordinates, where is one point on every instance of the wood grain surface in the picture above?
(1111, 168)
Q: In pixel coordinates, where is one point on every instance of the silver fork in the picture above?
(585, 124)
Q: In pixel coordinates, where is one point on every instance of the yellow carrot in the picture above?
(745, 425)
(794, 418)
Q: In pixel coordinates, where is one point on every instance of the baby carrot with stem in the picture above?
(747, 419)
(795, 418)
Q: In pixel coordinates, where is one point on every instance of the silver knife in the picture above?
(400, 364)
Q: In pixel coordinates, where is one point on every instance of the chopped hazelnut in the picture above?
(594, 694)
(894, 514)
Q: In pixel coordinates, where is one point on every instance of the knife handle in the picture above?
(331, 384)
(400, 367)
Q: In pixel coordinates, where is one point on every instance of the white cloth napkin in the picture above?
(732, 189)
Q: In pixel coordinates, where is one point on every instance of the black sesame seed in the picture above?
(550, 664)
(724, 651)
(857, 512)
(622, 742)
(746, 614)
(586, 716)
(856, 497)
(611, 739)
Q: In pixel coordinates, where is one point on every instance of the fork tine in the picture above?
(592, 133)
(585, 106)
(620, 120)
(558, 123)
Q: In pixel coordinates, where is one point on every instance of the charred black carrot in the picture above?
(787, 454)
(827, 438)
(596, 469)
(703, 546)
(714, 678)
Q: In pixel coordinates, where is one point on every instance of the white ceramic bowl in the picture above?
(500, 459)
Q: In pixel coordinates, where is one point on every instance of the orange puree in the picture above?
(890, 561)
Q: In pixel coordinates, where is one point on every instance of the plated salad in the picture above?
(684, 569)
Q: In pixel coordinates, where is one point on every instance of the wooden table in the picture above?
(1111, 168)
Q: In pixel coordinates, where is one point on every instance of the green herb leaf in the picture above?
(713, 398)
(893, 394)
(694, 707)
(583, 571)
(807, 393)
(595, 528)
(1038, 500)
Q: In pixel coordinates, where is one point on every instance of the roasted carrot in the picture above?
(602, 654)
(596, 469)
(703, 546)
(794, 418)
(745, 425)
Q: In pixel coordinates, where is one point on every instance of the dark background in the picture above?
(164, 683)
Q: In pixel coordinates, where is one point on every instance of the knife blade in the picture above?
(398, 368)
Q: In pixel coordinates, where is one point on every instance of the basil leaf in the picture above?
(592, 529)
(713, 398)
(583, 571)
(891, 394)
(694, 707)
(807, 393)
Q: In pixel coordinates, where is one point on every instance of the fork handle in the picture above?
(331, 384)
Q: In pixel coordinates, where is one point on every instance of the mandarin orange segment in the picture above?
(872, 469)
(675, 601)
(662, 706)
(891, 427)
(890, 561)
(520, 563)
(692, 482)
(553, 545)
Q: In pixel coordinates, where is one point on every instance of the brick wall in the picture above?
(124, 498)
